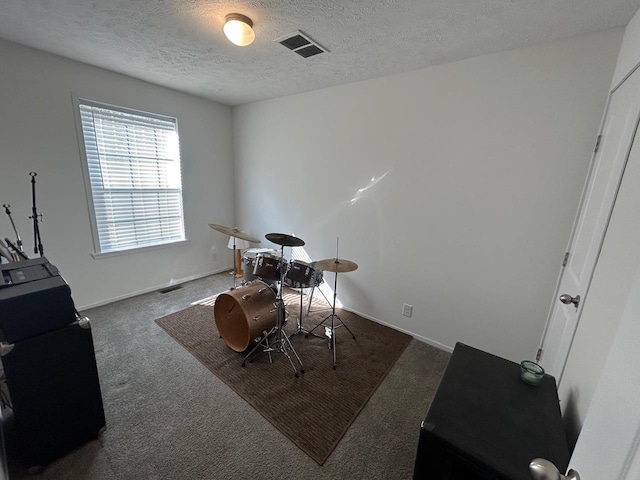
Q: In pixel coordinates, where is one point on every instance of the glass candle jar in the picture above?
(531, 372)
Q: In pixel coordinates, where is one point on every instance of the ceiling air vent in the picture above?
(301, 44)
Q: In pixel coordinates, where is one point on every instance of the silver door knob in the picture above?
(568, 299)
(543, 469)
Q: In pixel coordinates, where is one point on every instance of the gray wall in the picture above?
(38, 133)
(454, 187)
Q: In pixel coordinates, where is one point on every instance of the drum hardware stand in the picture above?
(17, 253)
(234, 232)
(5, 253)
(299, 328)
(37, 242)
(311, 298)
(18, 239)
(281, 342)
(235, 266)
(334, 265)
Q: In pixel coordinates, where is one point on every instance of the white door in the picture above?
(618, 131)
(609, 443)
(608, 447)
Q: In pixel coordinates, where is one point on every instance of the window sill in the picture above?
(100, 256)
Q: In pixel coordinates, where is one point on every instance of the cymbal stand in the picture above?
(281, 342)
(310, 301)
(330, 332)
(299, 328)
(235, 266)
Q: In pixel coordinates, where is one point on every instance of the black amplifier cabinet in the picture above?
(55, 392)
(49, 364)
(34, 299)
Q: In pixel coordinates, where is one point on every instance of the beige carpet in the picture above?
(315, 410)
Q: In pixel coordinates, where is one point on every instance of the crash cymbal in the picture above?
(284, 239)
(234, 232)
(336, 265)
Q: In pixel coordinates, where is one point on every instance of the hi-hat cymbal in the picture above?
(234, 232)
(284, 239)
(336, 265)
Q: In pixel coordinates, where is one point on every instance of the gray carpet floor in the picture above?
(169, 418)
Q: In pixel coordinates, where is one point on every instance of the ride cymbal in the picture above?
(234, 232)
(284, 239)
(336, 265)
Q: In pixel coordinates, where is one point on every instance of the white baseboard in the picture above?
(152, 289)
(426, 340)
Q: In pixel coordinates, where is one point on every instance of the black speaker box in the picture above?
(55, 392)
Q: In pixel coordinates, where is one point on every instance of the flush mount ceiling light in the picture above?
(238, 29)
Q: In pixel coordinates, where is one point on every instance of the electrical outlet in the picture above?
(407, 310)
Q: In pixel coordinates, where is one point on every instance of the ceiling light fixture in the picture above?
(238, 29)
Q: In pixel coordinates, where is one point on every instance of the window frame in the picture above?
(97, 252)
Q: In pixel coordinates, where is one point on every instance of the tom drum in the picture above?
(268, 266)
(249, 261)
(243, 314)
(303, 275)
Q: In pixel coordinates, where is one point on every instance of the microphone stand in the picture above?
(36, 230)
(18, 239)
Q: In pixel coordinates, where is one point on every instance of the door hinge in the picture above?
(538, 355)
(565, 259)
(597, 143)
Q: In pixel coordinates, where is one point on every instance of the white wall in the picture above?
(38, 133)
(481, 165)
(618, 262)
(629, 56)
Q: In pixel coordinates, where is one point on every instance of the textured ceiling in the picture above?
(180, 44)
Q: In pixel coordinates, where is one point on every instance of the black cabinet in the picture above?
(49, 365)
(486, 423)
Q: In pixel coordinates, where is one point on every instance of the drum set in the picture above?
(251, 318)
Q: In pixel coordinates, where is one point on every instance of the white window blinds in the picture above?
(133, 163)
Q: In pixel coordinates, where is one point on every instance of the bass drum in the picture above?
(243, 314)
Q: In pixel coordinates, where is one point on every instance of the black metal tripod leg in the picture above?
(310, 332)
(333, 339)
(265, 340)
(345, 326)
(321, 323)
(286, 354)
(295, 353)
(310, 300)
(299, 328)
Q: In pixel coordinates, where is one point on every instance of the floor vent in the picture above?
(170, 289)
(301, 44)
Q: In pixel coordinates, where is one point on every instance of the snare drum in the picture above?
(243, 314)
(303, 275)
(268, 266)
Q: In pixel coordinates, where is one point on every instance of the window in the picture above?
(133, 166)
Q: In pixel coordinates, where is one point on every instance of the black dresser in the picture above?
(486, 423)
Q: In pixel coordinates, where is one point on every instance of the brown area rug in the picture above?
(315, 410)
